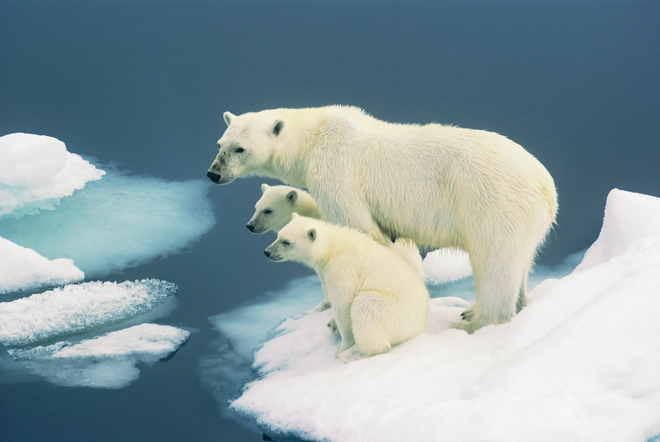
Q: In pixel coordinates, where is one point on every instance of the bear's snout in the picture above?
(251, 229)
(213, 176)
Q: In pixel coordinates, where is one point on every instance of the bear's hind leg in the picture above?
(350, 355)
(497, 292)
(371, 314)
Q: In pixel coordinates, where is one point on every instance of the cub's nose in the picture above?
(213, 176)
(267, 253)
(250, 227)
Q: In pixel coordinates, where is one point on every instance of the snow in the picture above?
(30, 159)
(445, 265)
(107, 361)
(29, 183)
(580, 362)
(24, 269)
(81, 308)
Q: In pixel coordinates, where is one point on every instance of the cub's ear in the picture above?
(292, 196)
(277, 127)
(311, 235)
(228, 116)
(264, 186)
(294, 215)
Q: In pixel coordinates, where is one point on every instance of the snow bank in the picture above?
(446, 265)
(33, 176)
(107, 361)
(81, 308)
(25, 269)
(579, 363)
(628, 217)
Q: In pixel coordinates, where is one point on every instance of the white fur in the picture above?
(436, 185)
(275, 207)
(277, 204)
(377, 299)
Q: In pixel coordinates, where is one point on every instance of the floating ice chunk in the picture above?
(626, 218)
(446, 265)
(27, 159)
(80, 308)
(578, 363)
(25, 269)
(46, 195)
(107, 361)
(117, 222)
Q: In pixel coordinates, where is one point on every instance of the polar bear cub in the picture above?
(377, 299)
(275, 207)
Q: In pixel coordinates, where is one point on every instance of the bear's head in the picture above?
(297, 241)
(274, 209)
(246, 146)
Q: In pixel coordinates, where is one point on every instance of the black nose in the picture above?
(213, 176)
(267, 253)
(250, 227)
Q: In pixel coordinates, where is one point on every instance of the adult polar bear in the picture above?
(439, 186)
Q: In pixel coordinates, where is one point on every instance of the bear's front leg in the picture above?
(342, 316)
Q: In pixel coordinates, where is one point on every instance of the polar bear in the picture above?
(377, 299)
(439, 186)
(275, 207)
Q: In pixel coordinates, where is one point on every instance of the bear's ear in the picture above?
(277, 127)
(228, 116)
(311, 235)
(264, 186)
(292, 196)
(294, 215)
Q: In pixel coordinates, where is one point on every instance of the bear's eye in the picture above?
(286, 242)
(239, 150)
(268, 211)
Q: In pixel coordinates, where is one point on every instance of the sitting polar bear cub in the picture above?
(377, 300)
(276, 206)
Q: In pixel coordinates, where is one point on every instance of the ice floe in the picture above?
(580, 362)
(29, 183)
(29, 159)
(80, 308)
(24, 269)
(107, 361)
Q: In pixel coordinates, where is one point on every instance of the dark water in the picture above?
(144, 84)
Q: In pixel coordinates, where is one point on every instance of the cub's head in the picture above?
(297, 241)
(274, 209)
(246, 146)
